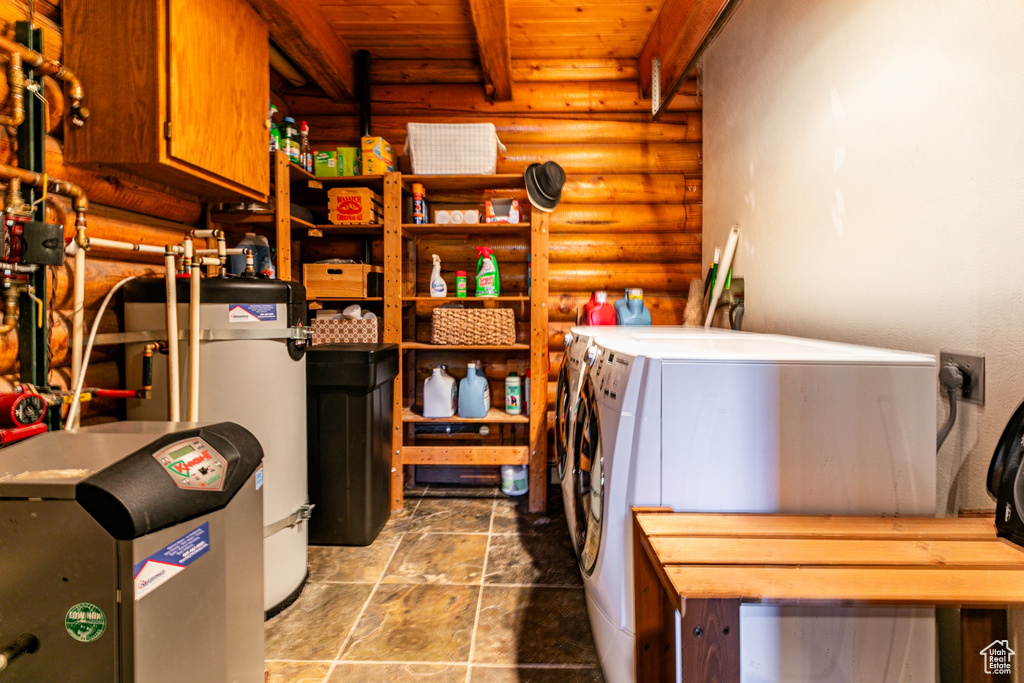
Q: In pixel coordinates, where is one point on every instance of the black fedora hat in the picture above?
(544, 184)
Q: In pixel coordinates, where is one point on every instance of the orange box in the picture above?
(378, 158)
(353, 205)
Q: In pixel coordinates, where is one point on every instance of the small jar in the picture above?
(460, 284)
(513, 394)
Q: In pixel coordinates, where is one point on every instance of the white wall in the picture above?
(872, 153)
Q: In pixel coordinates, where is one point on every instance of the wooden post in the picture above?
(655, 645)
(539, 229)
(711, 641)
(393, 319)
(282, 216)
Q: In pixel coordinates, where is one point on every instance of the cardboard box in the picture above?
(377, 156)
(334, 280)
(501, 211)
(325, 164)
(349, 161)
(347, 331)
(354, 205)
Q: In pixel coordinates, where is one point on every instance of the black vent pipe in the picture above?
(363, 90)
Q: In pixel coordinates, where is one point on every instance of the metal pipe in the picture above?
(48, 67)
(173, 380)
(24, 644)
(16, 84)
(193, 333)
(78, 316)
(363, 90)
(10, 309)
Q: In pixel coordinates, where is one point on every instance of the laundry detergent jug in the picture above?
(474, 392)
(439, 394)
(631, 310)
(598, 311)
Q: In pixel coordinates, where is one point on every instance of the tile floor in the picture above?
(461, 585)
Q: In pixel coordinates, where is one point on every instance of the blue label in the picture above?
(259, 479)
(252, 313)
(171, 560)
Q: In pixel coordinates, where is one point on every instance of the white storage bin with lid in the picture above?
(453, 148)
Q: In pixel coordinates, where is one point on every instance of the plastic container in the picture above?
(418, 208)
(513, 394)
(438, 287)
(474, 392)
(439, 394)
(305, 151)
(514, 480)
(275, 133)
(526, 393)
(260, 248)
(460, 284)
(290, 138)
(631, 310)
(487, 277)
(598, 311)
(261, 259)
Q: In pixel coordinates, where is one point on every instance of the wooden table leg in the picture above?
(655, 652)
(711, 641)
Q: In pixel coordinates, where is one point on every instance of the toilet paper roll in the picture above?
(471, 216)
(353, 312)
(369, 315)
(442, 217)
(457, 217)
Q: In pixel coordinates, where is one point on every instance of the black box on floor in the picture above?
(349, 393)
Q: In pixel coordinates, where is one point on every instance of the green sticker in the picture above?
(85, 622)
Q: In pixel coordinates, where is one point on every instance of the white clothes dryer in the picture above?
(755, 423)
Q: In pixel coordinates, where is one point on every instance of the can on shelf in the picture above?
(460, 284)
(418, 209)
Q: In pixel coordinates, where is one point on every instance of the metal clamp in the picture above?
(296, 333)
(304, 512)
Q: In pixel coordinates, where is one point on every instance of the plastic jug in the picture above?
(474, 393)
(439, 394)
(631, 310)
(260, 248)
(598, 311)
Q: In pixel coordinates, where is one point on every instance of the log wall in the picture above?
(121, 207)
(630, 214)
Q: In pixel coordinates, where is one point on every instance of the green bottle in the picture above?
(487, 281)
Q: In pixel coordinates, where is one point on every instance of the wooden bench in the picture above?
(705, 565)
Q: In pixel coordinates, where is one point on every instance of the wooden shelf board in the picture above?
(347, 298)
(409, 345)
(465, 298)
(357, 229)
(375, 182)
(493, 415)
(465, 455)
(497, 181)
(255, 218)
(465, 228)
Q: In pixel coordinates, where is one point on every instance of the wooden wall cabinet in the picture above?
(177, 92)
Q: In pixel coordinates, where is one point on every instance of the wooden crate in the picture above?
(354, 205)
(335, 280)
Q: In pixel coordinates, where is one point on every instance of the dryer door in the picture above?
(562, 399)
(588, 471)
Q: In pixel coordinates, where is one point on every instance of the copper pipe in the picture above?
(16, 84)
(79, 202)
(49, 67)
(10, 310)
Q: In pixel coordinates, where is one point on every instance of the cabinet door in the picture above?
(219, 88)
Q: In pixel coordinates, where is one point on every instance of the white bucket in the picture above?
(514, 479)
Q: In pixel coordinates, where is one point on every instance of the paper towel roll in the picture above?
(353, 312)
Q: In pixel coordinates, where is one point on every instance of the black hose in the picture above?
(736, 316)
(26, 643)
(948, 427)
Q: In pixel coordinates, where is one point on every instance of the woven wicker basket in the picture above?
(483, 326)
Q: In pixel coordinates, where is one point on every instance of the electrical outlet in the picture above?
(973, 368)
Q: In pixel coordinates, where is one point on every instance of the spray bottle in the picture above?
(487, 279)
(438, 287)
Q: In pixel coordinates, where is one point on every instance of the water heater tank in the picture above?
(250, 374)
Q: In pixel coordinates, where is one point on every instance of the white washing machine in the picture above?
(755, 423)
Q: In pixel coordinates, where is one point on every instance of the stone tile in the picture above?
(315, 626)
(418, 623)
(460, 491)
(400, 520)
(347, 672)
(352, 564)
(438, 558)
(298, 672)
(534, 626)
(453, 515)
(512, 516)
(546, 559)
(513, 674)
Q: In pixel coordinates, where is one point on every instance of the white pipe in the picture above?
(124, 246)
(173, 380)
(723, 270)
(193, 346)
(210, 252)
(78, 319)
(72, 418)
(204, 233)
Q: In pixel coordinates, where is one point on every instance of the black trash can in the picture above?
(349, 393)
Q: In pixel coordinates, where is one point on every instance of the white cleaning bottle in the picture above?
(438, 287)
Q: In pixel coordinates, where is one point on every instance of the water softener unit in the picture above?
(253, 372)
(132, 553)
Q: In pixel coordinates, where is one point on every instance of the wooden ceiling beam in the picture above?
(300, 29)
(490, 18)
(678, 34)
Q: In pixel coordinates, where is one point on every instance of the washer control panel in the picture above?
(611, 373)
(193, 465)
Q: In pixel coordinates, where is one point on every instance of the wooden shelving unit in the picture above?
(531, 312)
